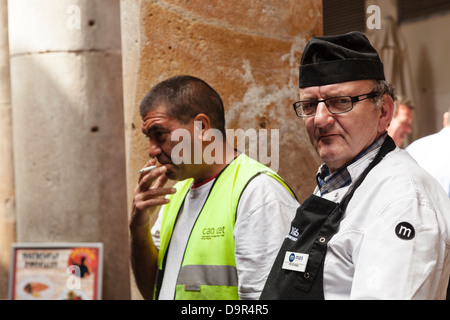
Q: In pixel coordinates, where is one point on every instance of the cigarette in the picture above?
(147, 169)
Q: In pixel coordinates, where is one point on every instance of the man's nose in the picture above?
(323, 116)
(153, 149)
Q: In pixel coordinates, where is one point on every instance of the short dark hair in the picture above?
(184, 97)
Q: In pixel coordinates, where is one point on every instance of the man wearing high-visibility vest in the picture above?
(221, 225)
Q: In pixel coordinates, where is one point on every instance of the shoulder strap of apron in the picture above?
(388, 146)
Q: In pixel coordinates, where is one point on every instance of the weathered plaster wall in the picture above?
(249, 51)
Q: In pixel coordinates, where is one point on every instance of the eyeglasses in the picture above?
(335, 105)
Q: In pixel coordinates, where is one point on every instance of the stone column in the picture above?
(69, 149)
(249, 51)
(7, 214)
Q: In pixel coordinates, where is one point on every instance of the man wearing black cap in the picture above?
(377, 226)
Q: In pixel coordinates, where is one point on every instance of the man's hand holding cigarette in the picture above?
(149, 193)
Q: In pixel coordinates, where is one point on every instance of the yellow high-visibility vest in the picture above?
(208, 269)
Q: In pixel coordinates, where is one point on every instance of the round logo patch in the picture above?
(405, 231)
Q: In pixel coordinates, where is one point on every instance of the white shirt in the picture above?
(263, 219)
(433, 154)
(367, 258)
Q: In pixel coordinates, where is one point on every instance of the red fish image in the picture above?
(35, 288)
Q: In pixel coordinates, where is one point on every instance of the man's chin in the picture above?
(327, 152)
(330, 156)
(174, 173)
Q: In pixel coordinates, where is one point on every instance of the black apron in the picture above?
(314, 224)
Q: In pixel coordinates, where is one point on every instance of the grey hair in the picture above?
(383, 87)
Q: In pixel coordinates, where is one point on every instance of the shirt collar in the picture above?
(329, 182)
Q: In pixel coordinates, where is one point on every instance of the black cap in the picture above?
(340, 58)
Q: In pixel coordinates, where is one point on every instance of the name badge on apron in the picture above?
(295, 261)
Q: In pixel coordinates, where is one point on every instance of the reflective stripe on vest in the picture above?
(209, 268)
(210, 275)
(207, 282)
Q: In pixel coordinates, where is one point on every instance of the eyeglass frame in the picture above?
(353, 100)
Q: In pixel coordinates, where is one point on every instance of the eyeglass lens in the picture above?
(334, 105)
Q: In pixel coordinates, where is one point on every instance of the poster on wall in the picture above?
(56, 271)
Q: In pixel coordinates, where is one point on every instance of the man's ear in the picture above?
(203, 124)
(386, 113)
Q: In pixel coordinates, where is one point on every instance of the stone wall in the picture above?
(249, 51)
